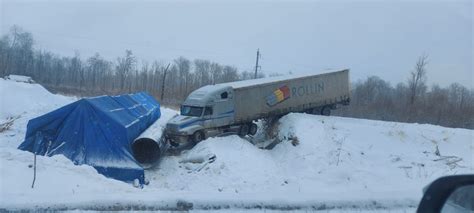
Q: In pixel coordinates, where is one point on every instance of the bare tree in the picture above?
(417, 79)
(124, 66)
(202, 70)
(183, 66)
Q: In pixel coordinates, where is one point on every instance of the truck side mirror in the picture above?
(449, 194)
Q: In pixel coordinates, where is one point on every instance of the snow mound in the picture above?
(18, 98)
(366, 156)
(238, 167)
(57, 179)
(333, 159)
(20, 78)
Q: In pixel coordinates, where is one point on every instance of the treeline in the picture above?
(96, 75)
(413, 101)
(372, 98)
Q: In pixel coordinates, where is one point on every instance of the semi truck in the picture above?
(233, 107)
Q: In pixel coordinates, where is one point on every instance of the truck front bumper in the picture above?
(175, 139)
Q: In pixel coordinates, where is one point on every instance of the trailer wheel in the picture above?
(326, 111)
(253, 129)
(197, 137)
(244, 130)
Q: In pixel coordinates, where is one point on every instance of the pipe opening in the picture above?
(146, 151)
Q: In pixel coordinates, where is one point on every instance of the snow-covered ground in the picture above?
(337, 164)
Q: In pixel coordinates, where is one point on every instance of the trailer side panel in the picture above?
(292, 95)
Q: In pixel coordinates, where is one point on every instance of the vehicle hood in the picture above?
(179, 122)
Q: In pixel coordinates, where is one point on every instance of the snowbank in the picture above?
(18, 98)
(20, 78)
(57, 179)
(365, 156)
(336, 163)
(336, 159)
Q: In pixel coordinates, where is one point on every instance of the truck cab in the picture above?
(204, 110)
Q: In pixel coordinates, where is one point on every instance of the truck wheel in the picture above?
(315, 111)
(244, 130)
(197, 137)
(326, 111)
(253, 129)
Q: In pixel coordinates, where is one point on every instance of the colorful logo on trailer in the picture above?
(278, 96)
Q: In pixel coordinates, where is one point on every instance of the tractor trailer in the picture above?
(233, 107)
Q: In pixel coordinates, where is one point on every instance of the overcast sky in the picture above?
(369, 37)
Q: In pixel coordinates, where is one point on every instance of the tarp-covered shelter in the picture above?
(95, 131)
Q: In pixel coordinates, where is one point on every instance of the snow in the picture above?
(156, 129)
(19, 98)
(20, 78)
(337, 164)
(57, 179)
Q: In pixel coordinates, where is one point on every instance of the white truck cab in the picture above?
(206, 112)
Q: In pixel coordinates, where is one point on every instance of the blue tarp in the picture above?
(95, 131)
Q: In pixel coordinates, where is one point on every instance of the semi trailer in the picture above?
(233, 107)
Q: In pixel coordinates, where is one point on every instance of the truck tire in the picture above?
(316, 111)
(253, 129)
(197, 137)
(326, 111)
(244, 130)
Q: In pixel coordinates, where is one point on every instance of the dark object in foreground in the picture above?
(449, 194)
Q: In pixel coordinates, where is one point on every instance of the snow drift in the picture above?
(336, 157)
(18, 98)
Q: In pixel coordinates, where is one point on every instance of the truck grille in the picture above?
(172, 127)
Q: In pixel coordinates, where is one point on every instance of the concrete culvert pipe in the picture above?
(148, 148)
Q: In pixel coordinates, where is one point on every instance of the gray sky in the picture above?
(381, 38)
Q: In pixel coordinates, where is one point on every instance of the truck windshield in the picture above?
(191, 111)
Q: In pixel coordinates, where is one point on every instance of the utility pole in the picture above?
(163, 83)
(256, 63)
